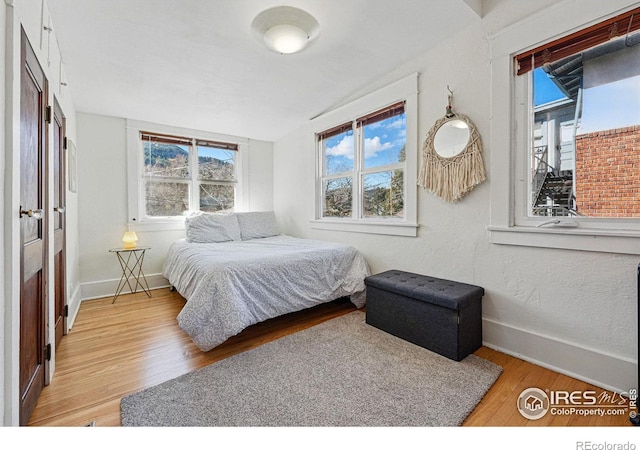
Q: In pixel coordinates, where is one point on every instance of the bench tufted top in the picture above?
(446, 293)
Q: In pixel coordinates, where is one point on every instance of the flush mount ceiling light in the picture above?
(285, 29)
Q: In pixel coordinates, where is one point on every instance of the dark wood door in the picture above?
(59, 200)
(33, 135)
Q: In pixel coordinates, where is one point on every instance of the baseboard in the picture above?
(611, 372)
(107, 288)
(73, 306)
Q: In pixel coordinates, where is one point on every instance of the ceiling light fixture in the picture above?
(285, 29)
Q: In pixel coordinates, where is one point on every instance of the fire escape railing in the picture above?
(542, 167)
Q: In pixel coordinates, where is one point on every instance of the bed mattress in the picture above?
(232, 285)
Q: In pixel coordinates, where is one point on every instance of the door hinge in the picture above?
(66, 310)
(64, 143)
(47, 352)
(47, 114)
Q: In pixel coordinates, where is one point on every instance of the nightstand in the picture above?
(131, 260)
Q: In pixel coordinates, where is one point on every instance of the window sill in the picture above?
(593, 240)
(160, 225)
(393, 229)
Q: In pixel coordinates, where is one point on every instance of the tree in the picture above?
(166, 196)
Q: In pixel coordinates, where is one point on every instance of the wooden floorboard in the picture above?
(117, 349)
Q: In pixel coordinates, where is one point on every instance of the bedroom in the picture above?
(578, 302)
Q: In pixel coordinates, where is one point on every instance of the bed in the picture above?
(235, 270)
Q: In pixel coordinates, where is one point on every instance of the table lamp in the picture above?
(130, 239)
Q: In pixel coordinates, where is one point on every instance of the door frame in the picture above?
(12, 222)
(29, 59)
(58, 115)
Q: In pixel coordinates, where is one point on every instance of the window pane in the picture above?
(338, 153)
(585, 159)
(216, 164)
(384, 141)
(216, 197)
(166, 199)
(165, 160)
(338, 197)
(384, 194)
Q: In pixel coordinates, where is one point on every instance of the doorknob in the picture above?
(35, 213)
(59, 209)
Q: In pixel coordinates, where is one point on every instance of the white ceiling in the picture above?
(195, 63)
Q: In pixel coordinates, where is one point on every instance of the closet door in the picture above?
(59, 201)
(33, 226)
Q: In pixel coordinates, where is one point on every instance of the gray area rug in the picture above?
(342, 372)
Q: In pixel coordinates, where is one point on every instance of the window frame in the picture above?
(404, 90)
(137, 219)
(359, 170)
(512, 127)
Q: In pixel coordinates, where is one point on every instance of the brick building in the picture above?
(608, 173)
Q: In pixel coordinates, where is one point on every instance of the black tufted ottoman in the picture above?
(440, 315)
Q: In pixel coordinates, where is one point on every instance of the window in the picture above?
(547, 113)
(179, 173)
(183, 174)
(166, 175)
(372, 151)
(366, 166)
(216, 175)
(584, 105)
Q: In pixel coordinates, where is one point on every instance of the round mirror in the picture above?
(451, 138)
(452, 158)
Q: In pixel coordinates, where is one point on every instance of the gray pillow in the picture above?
(210, 227)
(259, 224)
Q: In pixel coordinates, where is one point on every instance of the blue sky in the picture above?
(383, 142)
(217, 153)
(611, 105)
(545, 90)
(605, 106)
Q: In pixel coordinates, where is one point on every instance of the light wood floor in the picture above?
(117, 349)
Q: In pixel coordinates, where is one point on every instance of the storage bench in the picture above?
(441, 315)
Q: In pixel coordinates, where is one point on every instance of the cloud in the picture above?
(373, 146)
(343, 148)
(398, 123)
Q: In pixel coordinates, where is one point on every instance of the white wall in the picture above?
(33, 16)
(260, 174)
(572, 311)
(102, 183)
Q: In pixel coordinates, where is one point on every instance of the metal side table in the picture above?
(131, 260)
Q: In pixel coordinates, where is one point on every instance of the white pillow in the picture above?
(259, 224)
(210, 227)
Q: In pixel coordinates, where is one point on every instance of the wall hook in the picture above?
(449, 110)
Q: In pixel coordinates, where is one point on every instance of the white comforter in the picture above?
(231, 285)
